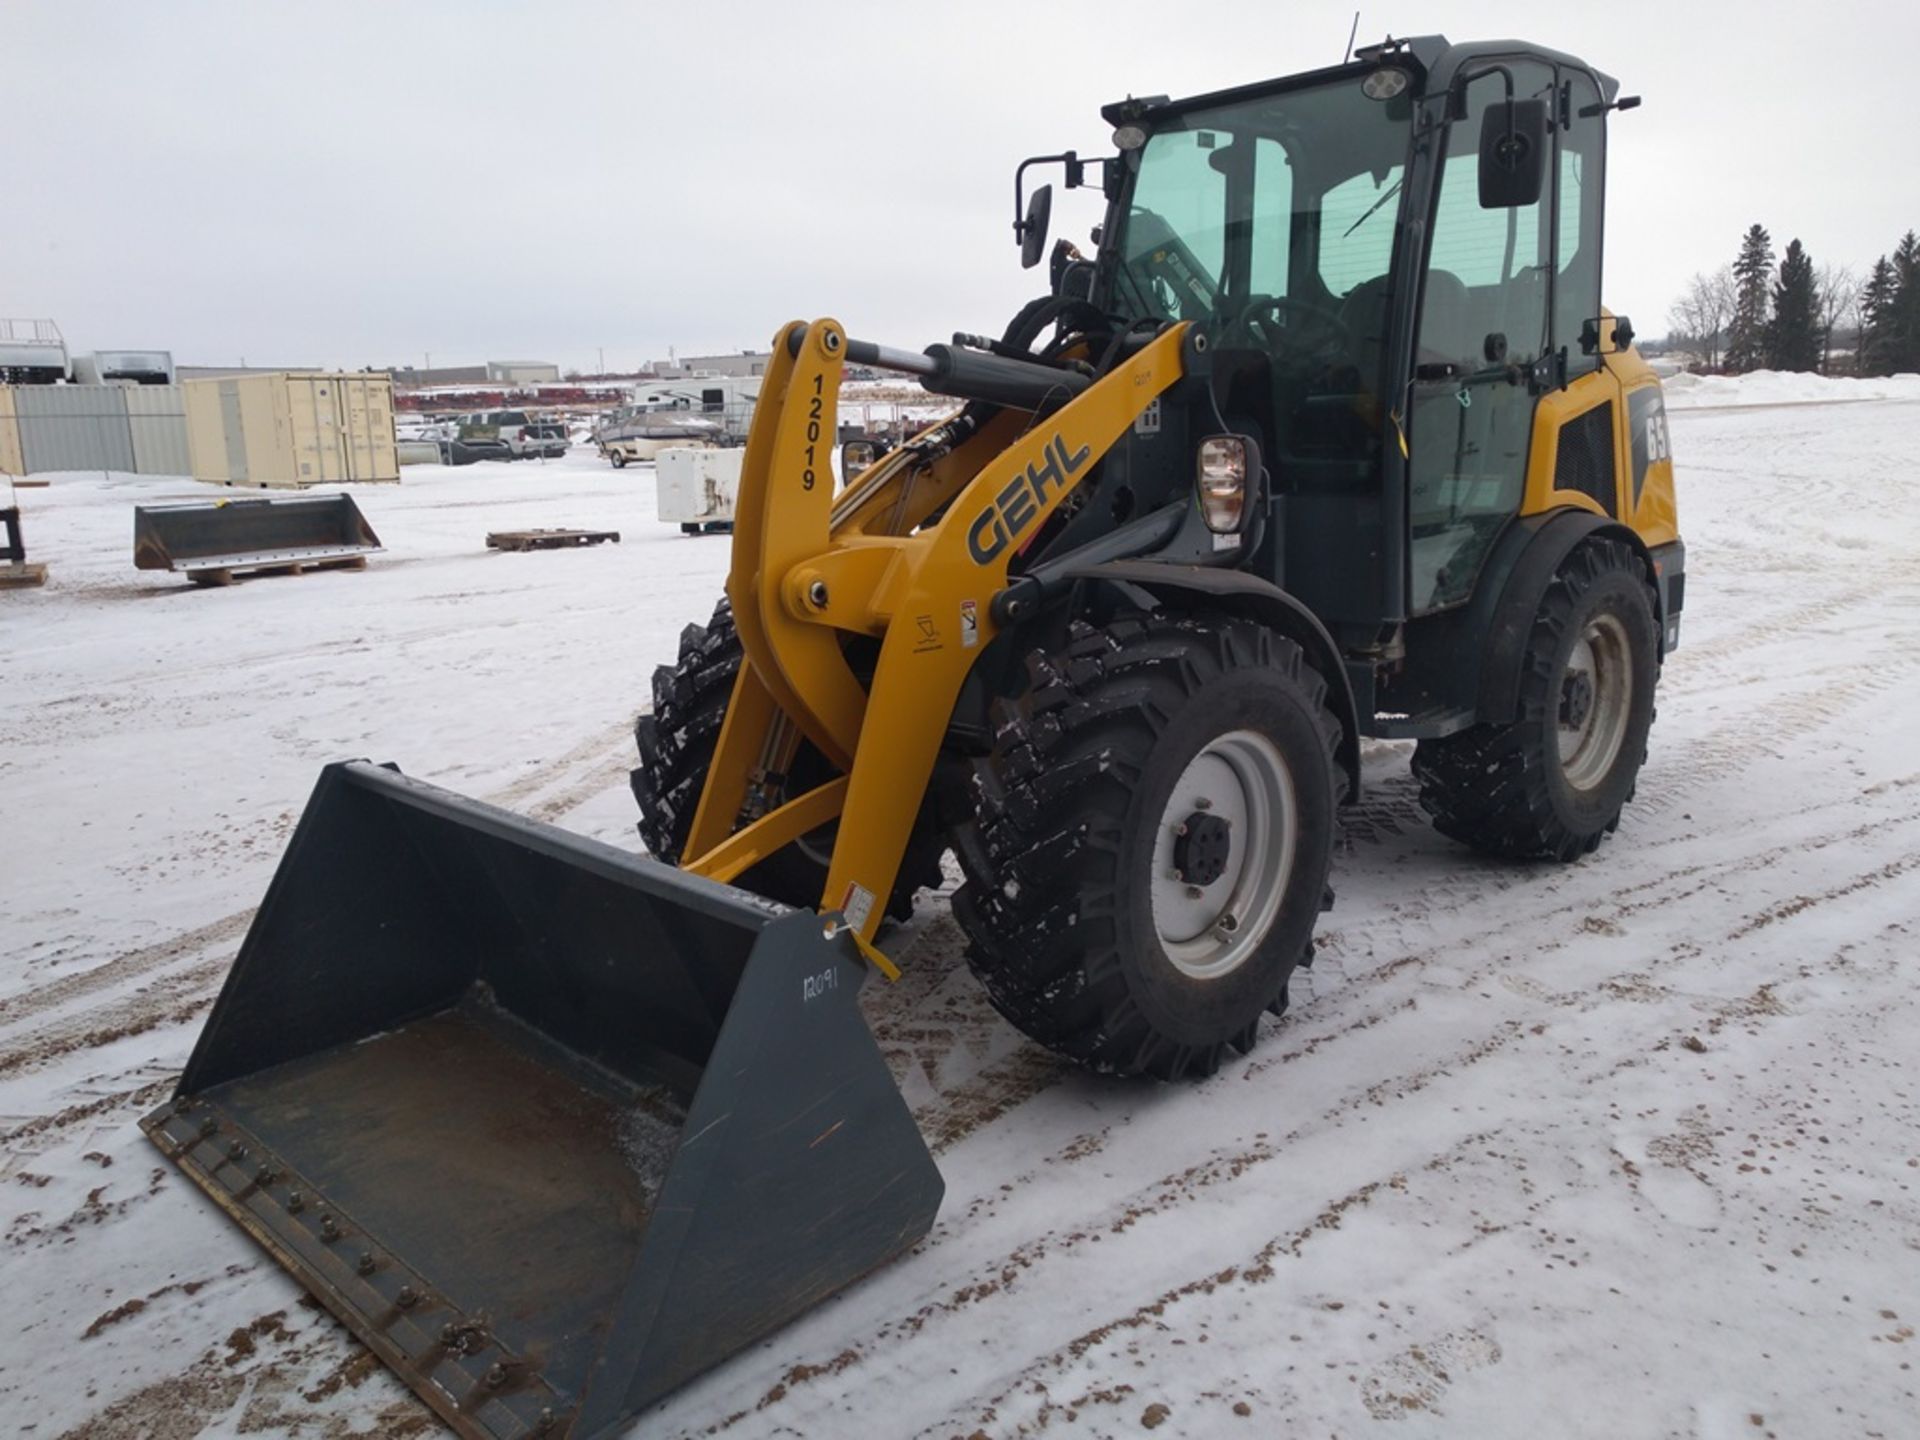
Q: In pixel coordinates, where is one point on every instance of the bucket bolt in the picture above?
(463, 1337)
(364, 1265)
(265, 1175)
(208, 1124)
(329, 1228)
(496, 1376)
(296, 1202)
(236, 1151)
(407, 1298)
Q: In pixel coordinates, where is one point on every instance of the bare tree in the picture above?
(1837, 291)
(1702, 312)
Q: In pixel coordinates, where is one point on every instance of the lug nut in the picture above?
(1203, 803)
(1194, 892)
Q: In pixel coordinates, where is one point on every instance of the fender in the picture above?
(1245, 594)
(1526, 559)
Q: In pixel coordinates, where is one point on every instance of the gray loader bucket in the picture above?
(551, 1127)
(224, 537)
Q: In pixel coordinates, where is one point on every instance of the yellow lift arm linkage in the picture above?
(807, 564)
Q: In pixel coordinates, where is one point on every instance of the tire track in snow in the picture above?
(1177, 1188)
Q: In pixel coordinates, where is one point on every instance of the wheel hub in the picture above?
(1576, 698)
(1596, 700)
(1223, 851)
(1201, 846)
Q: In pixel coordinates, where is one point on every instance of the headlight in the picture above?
(1220, 482)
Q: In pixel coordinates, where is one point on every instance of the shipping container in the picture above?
(291, 428)
(12, 462)
(73, 427)
(157, 420)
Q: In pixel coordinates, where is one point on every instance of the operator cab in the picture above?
(1294, 221)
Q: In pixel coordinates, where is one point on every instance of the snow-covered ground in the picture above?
(1627, 1148)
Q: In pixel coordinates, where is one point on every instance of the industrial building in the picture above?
(494, 372)
(742, 362)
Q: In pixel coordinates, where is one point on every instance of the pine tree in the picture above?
(1752, 273)
(1793, 335)
(1903, 352)
(1876, 320)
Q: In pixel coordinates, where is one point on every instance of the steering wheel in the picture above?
(1272, 321)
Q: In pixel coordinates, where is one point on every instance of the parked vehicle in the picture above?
(526, 436)
(635, 432)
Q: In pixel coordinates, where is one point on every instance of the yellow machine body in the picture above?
(808, 564)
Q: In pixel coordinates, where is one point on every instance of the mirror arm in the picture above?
(1076, 176)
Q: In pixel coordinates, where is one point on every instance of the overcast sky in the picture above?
(347, 184)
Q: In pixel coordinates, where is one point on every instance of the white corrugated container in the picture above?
(289, 429)
(73, 427)
(157, 421)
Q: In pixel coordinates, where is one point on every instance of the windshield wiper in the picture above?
(1392, 190)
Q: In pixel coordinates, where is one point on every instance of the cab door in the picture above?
(1484, 329)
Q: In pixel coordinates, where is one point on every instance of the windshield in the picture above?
(1269, 221)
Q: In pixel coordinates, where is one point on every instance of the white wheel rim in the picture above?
(1208, 931)
(1595, 697)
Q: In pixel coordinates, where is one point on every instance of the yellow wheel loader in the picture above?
(1328, 438)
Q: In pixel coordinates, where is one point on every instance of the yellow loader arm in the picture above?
(808, 564)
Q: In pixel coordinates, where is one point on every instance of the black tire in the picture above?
(676, 743)
(1059, 903)
(1506, 789)
(618, 458)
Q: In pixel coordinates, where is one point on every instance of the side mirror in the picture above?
(1033, 229)
(1590, 336)
(855, 456)
(1513, 153)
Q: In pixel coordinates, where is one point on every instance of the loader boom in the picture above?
(799, 577)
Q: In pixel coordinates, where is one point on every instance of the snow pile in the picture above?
(1783, 387)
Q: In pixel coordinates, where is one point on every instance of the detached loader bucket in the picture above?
(550, 1127)
(223, 538)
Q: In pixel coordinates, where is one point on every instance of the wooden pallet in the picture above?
(20, 574)
(548, 539)
(227, 574)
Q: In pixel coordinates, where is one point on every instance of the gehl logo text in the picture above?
(1013, 509)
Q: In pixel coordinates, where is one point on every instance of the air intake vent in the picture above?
(1585, 458)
